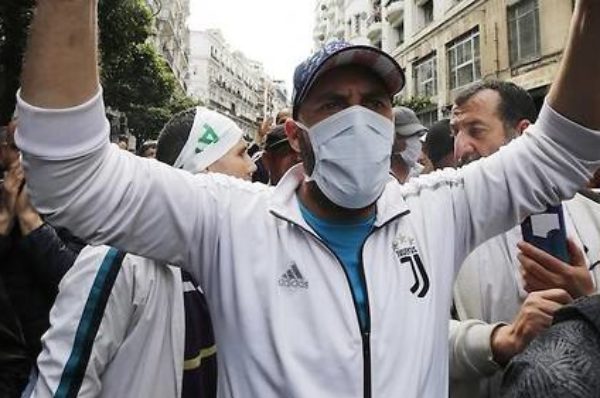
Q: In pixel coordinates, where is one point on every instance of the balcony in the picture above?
(395, 11)
(374, 31)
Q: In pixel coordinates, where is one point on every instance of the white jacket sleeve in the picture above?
(90, 319)
(106, 195)
(549, 163)
(471, 354)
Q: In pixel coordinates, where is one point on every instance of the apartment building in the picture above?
(227, 81)
(341, 20)
(171, 35)
(446, 45)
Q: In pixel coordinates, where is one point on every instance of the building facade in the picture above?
(228, 82)
(447, 45)
(171, 35)
(342, 20)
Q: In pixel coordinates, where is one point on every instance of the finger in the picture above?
(576, 254)
(20, 174)
(14, 160)
(532, 284)
(557, 295)
(532, 267)
(546, 260)
(549, 307)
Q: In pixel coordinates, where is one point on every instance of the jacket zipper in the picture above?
(365, 335)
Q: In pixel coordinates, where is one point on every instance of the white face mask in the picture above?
(416, 170)
(352, 152)
(411, 154)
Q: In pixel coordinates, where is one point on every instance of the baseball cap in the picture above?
(339, 53)
(406, 122)
(211, 137)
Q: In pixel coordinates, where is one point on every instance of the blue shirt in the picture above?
(346, 239)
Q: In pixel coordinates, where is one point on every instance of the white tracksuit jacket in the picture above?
(281, 305)
(133, 310)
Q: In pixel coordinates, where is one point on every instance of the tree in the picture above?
(15, 16)
(417, 103)
(136, 80)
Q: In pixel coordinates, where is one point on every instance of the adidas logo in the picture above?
(292, 278)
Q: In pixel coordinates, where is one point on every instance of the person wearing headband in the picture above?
(198, 141)
(201, 140)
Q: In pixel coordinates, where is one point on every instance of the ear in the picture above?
(293, 133)
(521, 126)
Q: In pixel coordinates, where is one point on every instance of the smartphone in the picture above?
(547, 232)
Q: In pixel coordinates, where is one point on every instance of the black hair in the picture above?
(123, 138)
(277, 139)
(515, 102)
(174, 135)
(439, 141)
(145, 146)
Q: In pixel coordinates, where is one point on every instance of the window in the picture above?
(524, 32)
(400, 34)
(427, 8)
(425, 77)
(463, 60)
(425, 12)
(428, 117)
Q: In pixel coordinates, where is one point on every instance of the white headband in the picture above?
(211, 137)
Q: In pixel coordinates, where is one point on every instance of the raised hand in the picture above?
(13, 180)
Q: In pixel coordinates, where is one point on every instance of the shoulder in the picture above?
(437, 181)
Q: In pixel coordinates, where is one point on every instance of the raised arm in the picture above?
(61, 61)
(77, 179)
(553, 159)
(575, 92)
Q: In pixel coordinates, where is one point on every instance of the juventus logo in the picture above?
(409, 255)
(421, 279)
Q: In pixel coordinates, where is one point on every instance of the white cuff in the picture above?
(58, 134)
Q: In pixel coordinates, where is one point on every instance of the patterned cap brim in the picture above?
(381, 63)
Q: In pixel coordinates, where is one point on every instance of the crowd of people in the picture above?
(349, 251)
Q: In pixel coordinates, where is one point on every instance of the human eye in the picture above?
(377, 103)
(332, 105)
(476, 131)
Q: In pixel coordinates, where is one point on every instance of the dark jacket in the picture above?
(30, 269)
(562, 362)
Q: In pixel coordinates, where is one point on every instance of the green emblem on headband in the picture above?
(207, 138)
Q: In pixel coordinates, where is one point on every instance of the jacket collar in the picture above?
(284, 201)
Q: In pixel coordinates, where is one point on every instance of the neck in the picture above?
(318, 204)
(399, 170)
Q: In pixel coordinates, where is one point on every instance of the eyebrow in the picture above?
(328, 96)
(454, 122)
